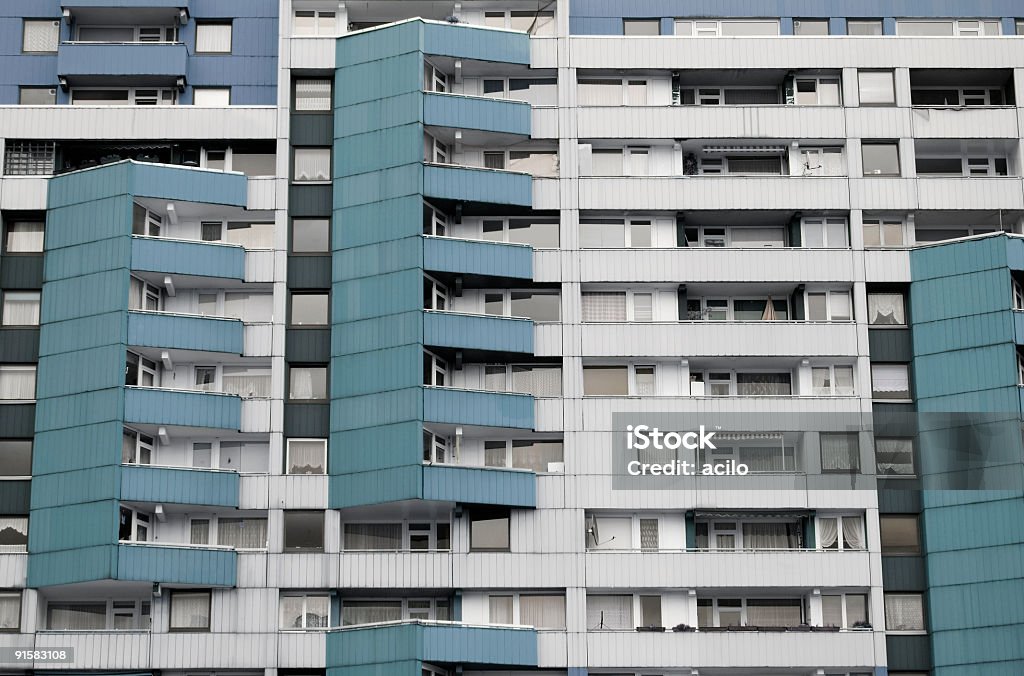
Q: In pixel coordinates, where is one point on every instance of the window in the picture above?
(305, 611)
(825, 233)
(864, 27)
(881, 159)
(606, 162)
(303, 530)
(434, 80)
(190, 610)
(536, 456)
(883, 232)
(24, 237)
(536, 232)
(389, 536)
(714, 28)
(17, 382)
(306, 456)
(605, 381)
(308, 383)
(310, 309)
(40, 36)
(37, 96)
(20, 308)
(841, 532)
(13, 534)
(641, 27)
(15, 457)
(617, 306)
(313, 95)
(844, 610)
(101, 615)
(312, 165)
(311, 235)
(828, 381)
(890, 381)
(877, 87)
(213, 38)
(649, 539)
(900, 534)
(894, 456)
(314, 22)
(886, 309)
(829, 306)
(813, 91)
(542, 611)
(211, 97)
(904, 612)
(532, 22)
(840, 452)
(821, 161)
(10, 611)
(947, 27)
(489, 529)
(610, 612)
(29, 158)
(136, 448)
(810, 27)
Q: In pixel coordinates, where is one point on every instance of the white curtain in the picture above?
(76, 616)
(199, 532)
(10, 610)
(891, 380)
(18, 383)
(766, 459)
(611, 612)
(773, 612)
(831, 610)
(542, 612)
(602, 235)
(214, 38)
(540, 381)
(500, 609)
(25, 236)
(307, 457)
(245, 382)
(604, 307)
(21, 308)
(759, 535)
(886, 309)
(312, 164)
(828, 532)
(13, 534)
(312, 95)
(370, 612)
(242, 533)
(853, 532)
(302, 386)
(894, 456)
(373, 536)
(643, 307)
(903, 612)
(190, 610)
(839, 452)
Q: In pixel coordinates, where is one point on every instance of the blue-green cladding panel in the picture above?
(378, 403)
(185, 332)
(182, 486)
(965, 337)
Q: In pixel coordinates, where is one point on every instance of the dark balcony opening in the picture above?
(962, 87)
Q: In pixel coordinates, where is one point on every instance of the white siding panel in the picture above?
(259, 340)
(256, 415)
(547, 265)
(262, 193)
(707, 192)
(28, 193)
(493, 570)
(259, 265)
(552, 651)
(303, 571)
(252, 569)
(213, 651)
(390, 570)
(312, 53)
(544, 53)
(544, 123)
(547, 340)
(745, 122)
(545, 193)
(547, 414)
(880, 122)
(883, 193)
(970, 193)
(299, 492)
(306, 649)
(1000, 123)
(102, 649)
(253, 490)
(13, 570)
(887, 265)
(109, 122)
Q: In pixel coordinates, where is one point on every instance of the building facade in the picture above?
(417, 264)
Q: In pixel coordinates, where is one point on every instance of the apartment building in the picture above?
(418, 263)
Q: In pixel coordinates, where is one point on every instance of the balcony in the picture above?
(185, 408)
(118, 649)
(465, 256)
(411, 642)
(754, 122)
(476, 113)
(480, 485)
(1004, 192)
(125, 59)
(477, 332)
(714, 192)
(186, 257)
(738, 649)
(477, 407)
(177, 564)
(186, 332)
(178, 485)
(476, 185)
(967, 122)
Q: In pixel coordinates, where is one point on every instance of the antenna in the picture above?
(595, 534)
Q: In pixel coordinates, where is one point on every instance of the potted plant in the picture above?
(683, 627)
(862, 625)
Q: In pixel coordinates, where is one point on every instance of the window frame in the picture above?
(875, 394)
(318, 29)
(844, 608)
(312, 111)
(913, 457)
(716, 30)
(902, 308)
(310, 252)
(829, 314)
(840, 544)
(111, 613)
(287, 456)
(880, 222)
(20, 368)
(924, 612)
(316, 324)
(12, 593)
(190, 592)
(302, 365)
(833, 389)
(816, 21)
(491, 514)
(304, 151)
(210, 90)
(841, 470)
(917, 549)
(51, 91)
(305, 596)
(284, 532)
(880, 174)
(32, 20)
(889, 101)
(6, 294)
(231, 38)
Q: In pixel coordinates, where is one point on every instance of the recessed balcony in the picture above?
(185, 408)
(177, 564)
(165, 61)
(186, 257)
(477, 407)
(186, 332)
(179, 485)
(477, 185)
(477, 332)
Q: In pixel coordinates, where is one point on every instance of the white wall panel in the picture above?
(396, 570)
(996, 123)
(298, 492)
(883, 193)
(891, 265)
(545, 193)
(708, 192)
(970, 193)
(259, 340)
(256, 415)
(543, 53)
(743, 122)
(213, 651)
(262, 193)
(259, 265)
(544, 122)
(142, 122)
(101, 649)
(13, 570)
(27, 192)
(312, 53)
(305, 649)
(878, 122)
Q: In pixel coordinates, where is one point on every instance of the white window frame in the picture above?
(890, 100)
(630, 303)
(141, 446)
(20, 368)
(320, 27)
(288, 449)
(305, 596)
(880, 222)
(315, 153)
(506, 302)
(980, 96)
(222, 95)
(167, 34)
(52, 37)
(829, 294)
(905, 369)
(920, 597)
(439, 370)
(20, 296)
(733, 381)
(819, 81)
(823, 222)
(516, 596)
(309, 102)
(136, 613)
(712, 28)
(625, 85)
(406, 533)
(832, 389)
(842, 596)
(814, 163)
(439, 295)
(840, 538)
(542, 29)
(216, 25)
(959, 27)
(140, 519)
(716, 609)
(440, 448)
(509, 381)
(434, 79)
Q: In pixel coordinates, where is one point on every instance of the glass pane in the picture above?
(313, 95)
(308, 382)
(540, 307)
(310, 235)
(876, 87)
(605, 380)
(303, 530)
(489, 531)
(310, 309)
(899, 534)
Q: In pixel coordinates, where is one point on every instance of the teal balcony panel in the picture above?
(377, 371)
(378, 149)
(958, 333)
(474, 407)
(155, 406)
(378, 44)
(68, 566)
(380, 408)
(477, 332)
(393, 111)
(139, 59)
(83, 333)
(179, 486)
(185, 332)
(473, 257)
(177, 565)
(480, 485)
(1015, 253)
(74, 526)
(470, 184)
(105, 247)
(462, 41)
(386, 257)
(445, 642)
(377, 296)
(378, 333)
(476, 112)
(79, 188)
(181, 257)
(189, 184)
(967, 293)
(378, 447)
(97, 368)
(964, 257)
(965, 371)
(376, 487)
(79, 410)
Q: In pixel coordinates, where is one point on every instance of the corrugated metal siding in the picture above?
(126, 59)
(179, 486)
(177, 565)
(447, 254)
(468, 184)
(19, 345)
(308, 345)
(479, 485)
(309, 272)
(188, 258)
(892, 345)
(205, 334)
(472, 407)
(468, 112)
(446, 329)
(179, 407)
(21, 272)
